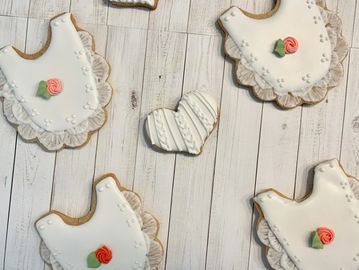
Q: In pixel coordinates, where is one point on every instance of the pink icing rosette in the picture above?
(326, 235)
(54, 86)
(291, 45)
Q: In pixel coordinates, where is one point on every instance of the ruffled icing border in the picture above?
(276, 255)
(149, 225)
(70, 138)
(245, 75)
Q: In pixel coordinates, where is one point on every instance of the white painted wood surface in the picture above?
(203, 203)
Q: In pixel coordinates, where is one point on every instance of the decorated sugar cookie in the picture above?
(56, 96)
(116, 233)
(151, 4)
(186, 129)
(292, 55)
(319, 232)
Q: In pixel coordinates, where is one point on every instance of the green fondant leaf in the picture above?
(92, 261)
(42, 90)
(315, 241)
(279, 48)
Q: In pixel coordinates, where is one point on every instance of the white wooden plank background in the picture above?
(203, 203)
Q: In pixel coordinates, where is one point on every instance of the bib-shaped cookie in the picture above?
(291, 55)
(319, 232)
(151, 4)
(116, 234)
(56, 96)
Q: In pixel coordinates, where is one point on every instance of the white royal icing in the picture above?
(114, 225)
(66, 60)
(256, 38)
(135, 2)
(186, 129)
(333, 204)
(67, 118)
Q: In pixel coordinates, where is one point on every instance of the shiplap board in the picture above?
(14, 31)
(94, 11)
(350, 143)
(170, 15)
(116, 152)
(165, 61)
(47, 9)
(32, 185)
(192, 188)
(203, 203)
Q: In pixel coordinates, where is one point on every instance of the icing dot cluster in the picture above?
(71, 119)
(13, 84)
(281, 82)
(137, 265)
(306, 78)
(323, 38)
(227, 18)
(48, 122)
(310, 3)
(265, 71)
(137, 244)
(4, 50)
(58, 22)
(325, 58)
(131, 222)
(122, 207)
(43, 225)
(317, 19)
(88, 106)
(34, 112)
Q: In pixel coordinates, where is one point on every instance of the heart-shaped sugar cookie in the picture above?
(186, 129)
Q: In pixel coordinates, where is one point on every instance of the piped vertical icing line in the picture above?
(161, 132)
(187, 112)
(213, 111)
(197, 112)
(187, 128)
(170, 130)
(186, 133)
(149, 126)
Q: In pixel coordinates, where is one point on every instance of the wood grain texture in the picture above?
(14, 29)
(32, 184)
(203, 203)
(165, 61)
(192, 188)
